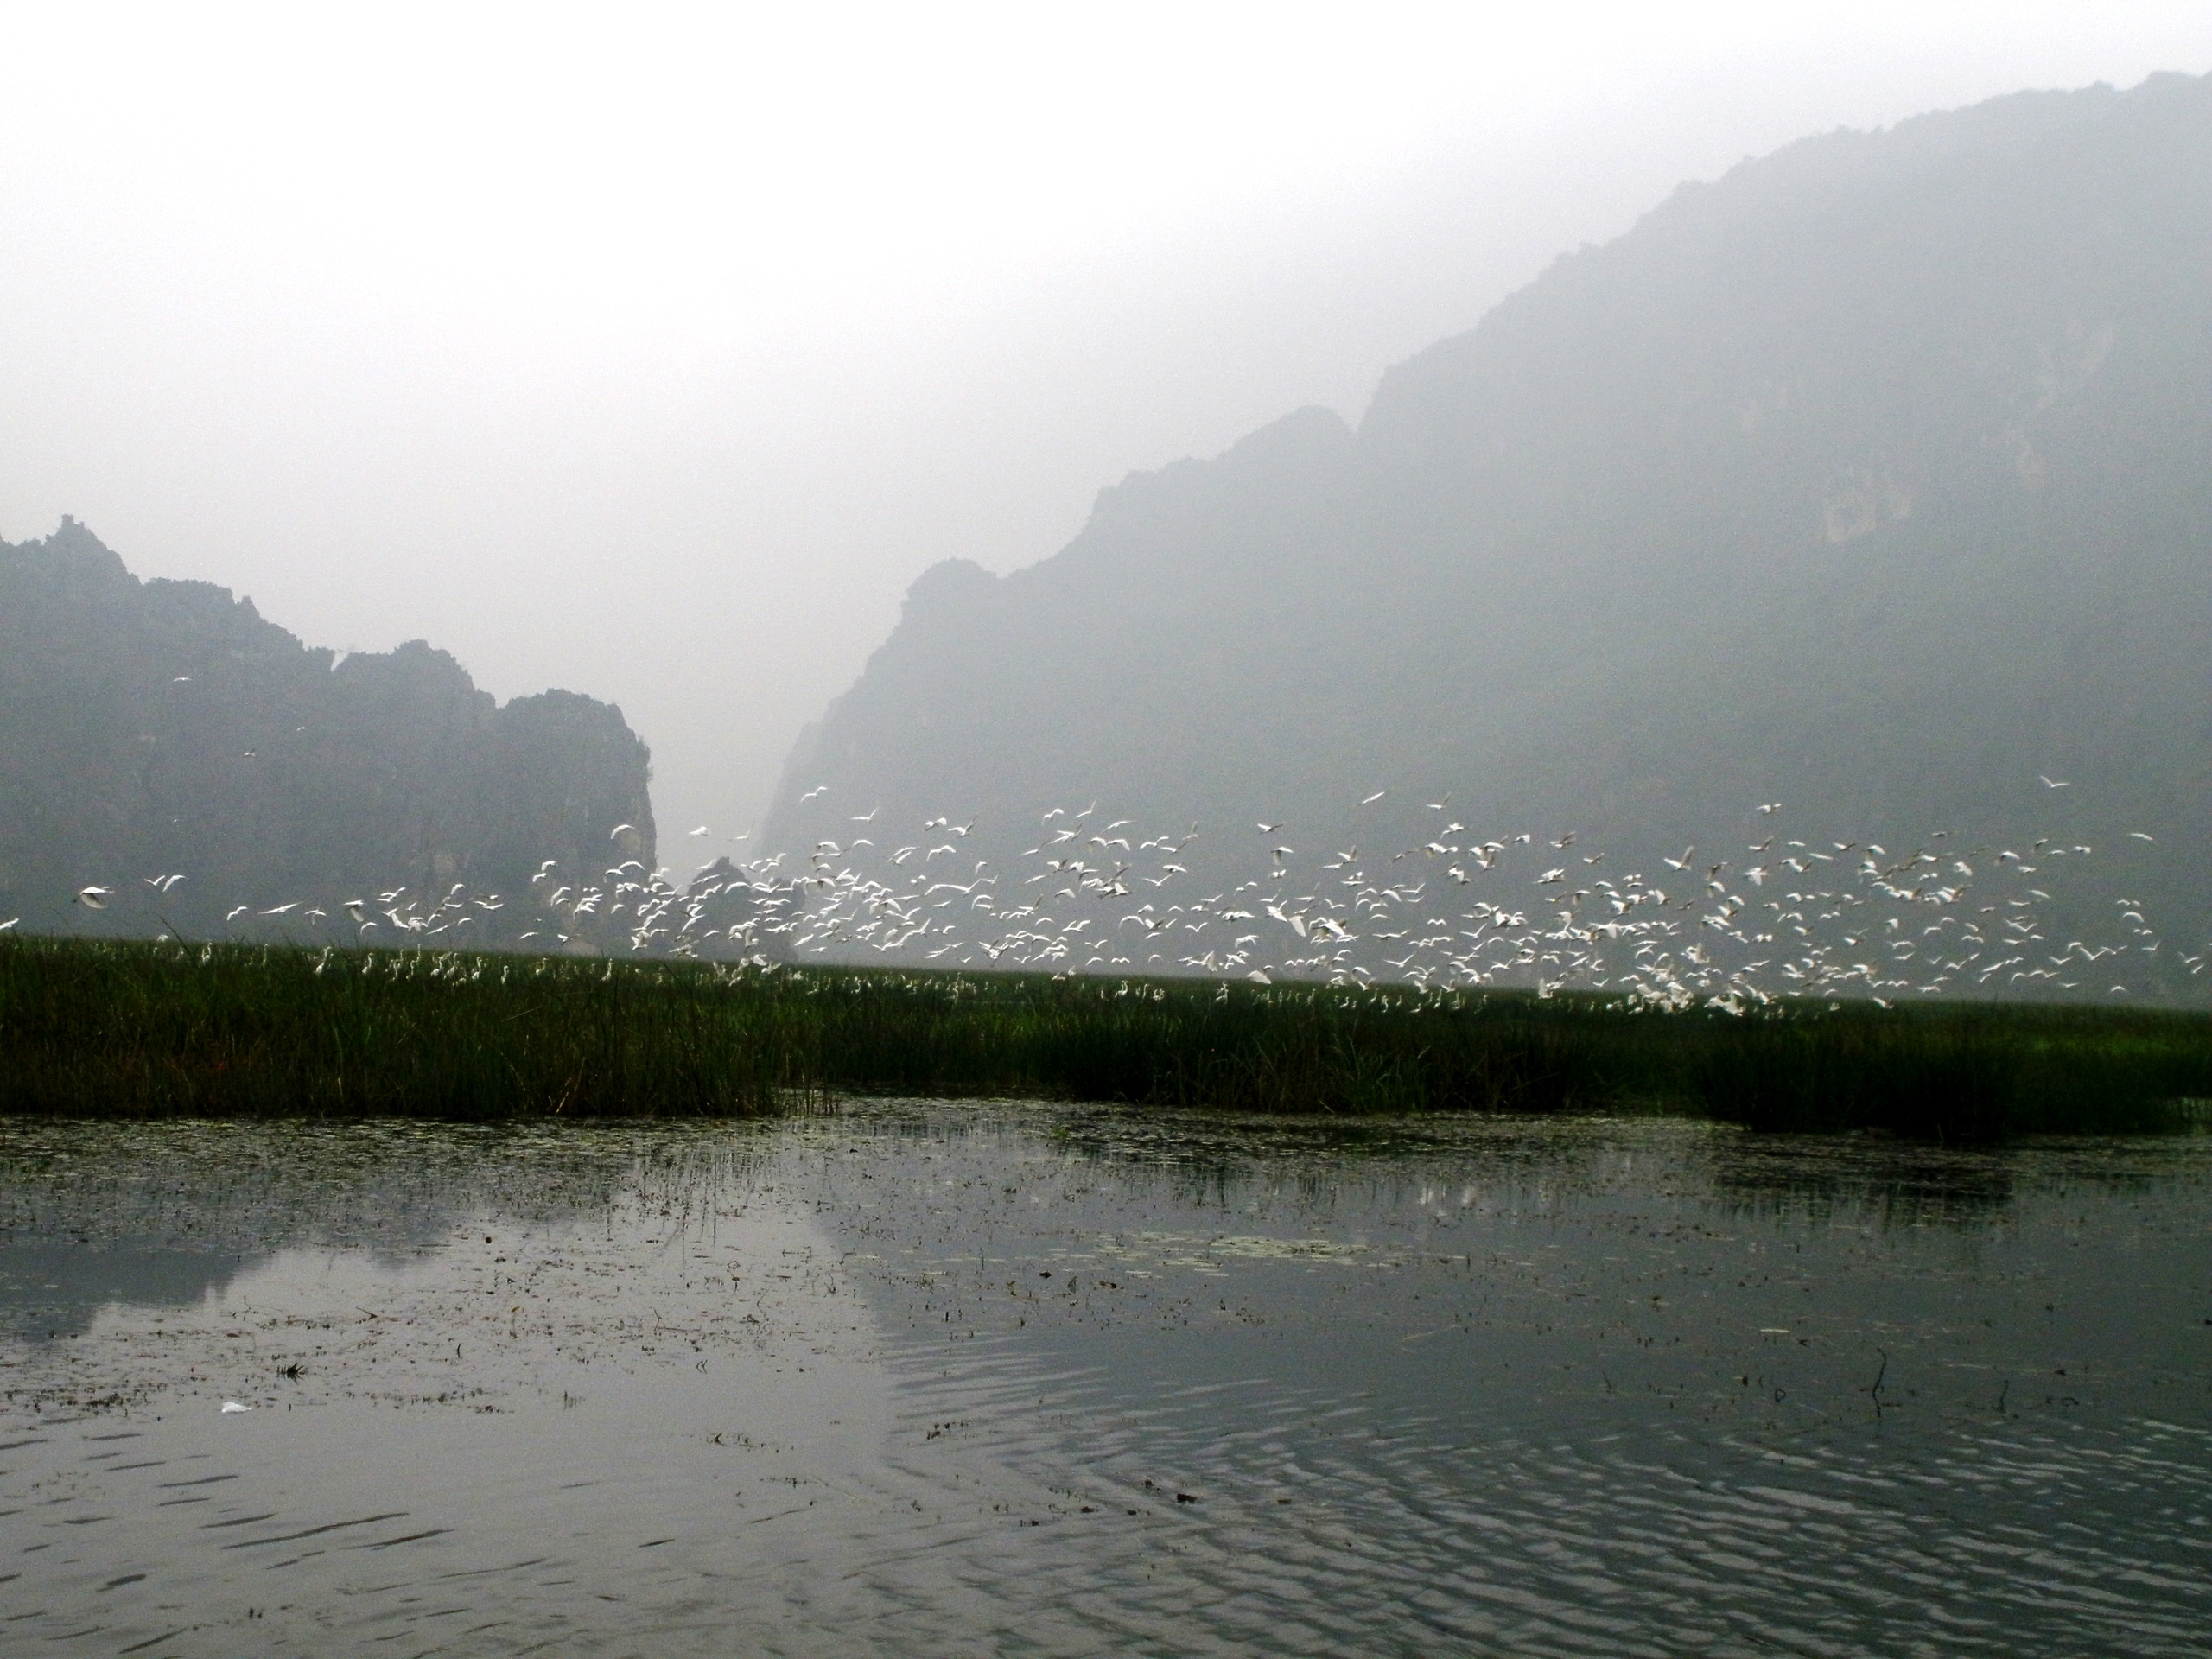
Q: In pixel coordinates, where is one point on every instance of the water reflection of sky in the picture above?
(930, 1376)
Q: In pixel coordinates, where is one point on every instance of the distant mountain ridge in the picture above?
(1875, 478)
(151, 728)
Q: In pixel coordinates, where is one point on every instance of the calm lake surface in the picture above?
(950, 1379)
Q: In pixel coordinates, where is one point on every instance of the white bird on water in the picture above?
(231, 1407)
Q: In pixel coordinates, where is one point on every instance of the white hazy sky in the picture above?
(652, 352)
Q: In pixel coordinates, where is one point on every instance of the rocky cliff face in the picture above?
(156, 729)
(1875, 479)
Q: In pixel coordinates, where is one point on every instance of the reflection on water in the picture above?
(1895, 1183)
(982, 1378)
(108, 1212)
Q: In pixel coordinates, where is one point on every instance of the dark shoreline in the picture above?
(149, 1030)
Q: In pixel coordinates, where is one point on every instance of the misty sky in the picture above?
(652, 355)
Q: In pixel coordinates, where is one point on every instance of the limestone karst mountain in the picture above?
(1875, 478)
(152, 728)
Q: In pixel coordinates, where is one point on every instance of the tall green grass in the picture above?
(133, 1029)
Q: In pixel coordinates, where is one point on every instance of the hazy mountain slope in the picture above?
(147, 728)
(1875, 478)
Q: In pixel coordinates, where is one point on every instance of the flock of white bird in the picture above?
(1777, 915)
(1732, 928)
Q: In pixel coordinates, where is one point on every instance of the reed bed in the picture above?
(129, 1029)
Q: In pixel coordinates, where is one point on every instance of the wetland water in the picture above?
(930, 1377)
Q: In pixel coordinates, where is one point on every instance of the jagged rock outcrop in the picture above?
(152, 728)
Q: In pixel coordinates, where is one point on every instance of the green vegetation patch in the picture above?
(144, 1030)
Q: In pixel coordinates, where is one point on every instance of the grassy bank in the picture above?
(151, 1030)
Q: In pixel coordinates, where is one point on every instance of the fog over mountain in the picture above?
(1874, 478)
(164, 728)
(657, 356)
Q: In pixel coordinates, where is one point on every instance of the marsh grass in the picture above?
(149, 1030)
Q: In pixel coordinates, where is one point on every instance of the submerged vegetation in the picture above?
(139, 1029)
